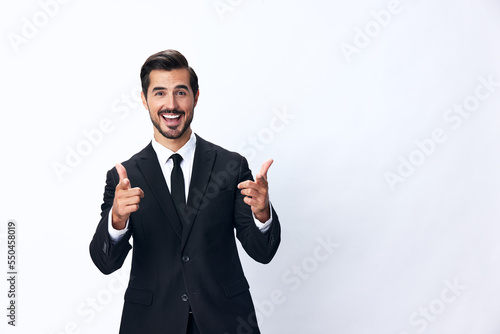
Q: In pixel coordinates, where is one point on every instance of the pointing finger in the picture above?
(244, 184)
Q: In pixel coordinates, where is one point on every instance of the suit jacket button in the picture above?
(184, 297)
(185, 259)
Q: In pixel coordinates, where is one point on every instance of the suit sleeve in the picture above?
(260, 246)
(107, 255)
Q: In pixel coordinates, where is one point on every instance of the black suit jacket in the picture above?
(190, 262)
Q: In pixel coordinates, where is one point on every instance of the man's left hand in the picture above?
(257, 193)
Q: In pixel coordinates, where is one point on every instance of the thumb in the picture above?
(122, 173)
(265, 168)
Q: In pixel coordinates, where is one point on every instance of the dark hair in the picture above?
(167, 60)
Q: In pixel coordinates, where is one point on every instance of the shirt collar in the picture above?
(185, 151)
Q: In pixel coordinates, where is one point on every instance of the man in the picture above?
(182, 210)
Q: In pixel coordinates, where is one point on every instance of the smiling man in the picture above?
(188, 198)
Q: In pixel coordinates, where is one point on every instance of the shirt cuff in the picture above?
(263, 227)
(114, 234)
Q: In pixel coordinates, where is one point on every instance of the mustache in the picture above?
(170, 111)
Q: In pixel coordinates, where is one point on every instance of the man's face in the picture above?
(171, 103)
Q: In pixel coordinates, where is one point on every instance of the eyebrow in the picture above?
(182, 87)
(176, 87)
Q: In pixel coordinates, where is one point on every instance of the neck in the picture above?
(173, 144)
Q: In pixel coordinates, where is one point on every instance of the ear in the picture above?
(196, 98)
(144, 101)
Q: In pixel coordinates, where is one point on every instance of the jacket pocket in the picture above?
(138, 296)
(235, 287)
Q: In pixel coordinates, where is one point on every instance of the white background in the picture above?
(351, 119)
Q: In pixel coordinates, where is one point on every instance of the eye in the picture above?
(181, 93)
(159, 94)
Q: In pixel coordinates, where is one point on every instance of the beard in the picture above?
(173, 132)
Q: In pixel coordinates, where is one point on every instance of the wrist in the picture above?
(264, 215)
(117, 223)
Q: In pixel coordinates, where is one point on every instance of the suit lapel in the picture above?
(204, 158)
(150, 168)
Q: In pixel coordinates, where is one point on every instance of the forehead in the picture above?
(169, 79)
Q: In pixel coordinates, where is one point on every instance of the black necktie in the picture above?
(177, 184)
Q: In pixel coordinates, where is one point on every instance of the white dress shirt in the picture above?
(166, 164)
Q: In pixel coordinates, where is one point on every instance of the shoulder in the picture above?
(204, 145)
(146, 153)
(224, 161)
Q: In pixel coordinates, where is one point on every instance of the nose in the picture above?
(171, 102)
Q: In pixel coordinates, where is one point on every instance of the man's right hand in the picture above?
(126, 199)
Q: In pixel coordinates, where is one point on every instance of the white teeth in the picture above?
(171, 116)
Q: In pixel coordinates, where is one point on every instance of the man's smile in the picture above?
(172, 119)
